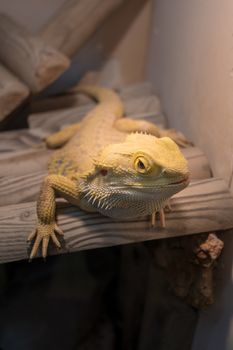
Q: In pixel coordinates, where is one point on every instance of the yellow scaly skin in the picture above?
(118, 167)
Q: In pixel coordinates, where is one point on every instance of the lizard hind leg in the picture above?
(140, 125)
(132, 125)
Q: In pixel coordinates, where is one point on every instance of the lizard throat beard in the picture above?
(128, 202)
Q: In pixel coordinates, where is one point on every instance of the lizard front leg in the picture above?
(46, 206)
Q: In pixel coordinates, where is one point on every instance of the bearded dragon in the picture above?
(120, 167)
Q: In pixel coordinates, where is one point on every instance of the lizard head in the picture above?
(141, 168)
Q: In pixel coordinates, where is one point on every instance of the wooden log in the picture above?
(23, 186)
(36, 63)
(142, 107)
(75, 22)
(12, 92)
(204, 206)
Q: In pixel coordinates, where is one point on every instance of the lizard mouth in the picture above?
(184, 181)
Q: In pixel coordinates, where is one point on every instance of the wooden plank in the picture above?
(23, 186)
(23, 162)
(75, 22)
(36, 63)
(12, 92)
(135, 108)
(17, 140)
(204, 206)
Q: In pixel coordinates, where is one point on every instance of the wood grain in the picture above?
(12, 92)
(204, 206)
(23, 162)
(23, 186)
(75, 22)
(28, 57)
(17, 140)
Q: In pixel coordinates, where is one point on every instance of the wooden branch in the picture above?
(204, 206)
(12, 92)
(36, 63)
(24, 186)
(75, 22)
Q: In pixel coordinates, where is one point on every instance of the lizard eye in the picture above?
(142, 165)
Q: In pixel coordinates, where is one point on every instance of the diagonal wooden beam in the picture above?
(75, 22)
(204, 206)
(28, 57)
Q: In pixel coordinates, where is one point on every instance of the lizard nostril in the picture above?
(103, 172)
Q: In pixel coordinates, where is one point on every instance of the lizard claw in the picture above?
(58, 230)
(161, 218)
(42, 235)
(32, 235)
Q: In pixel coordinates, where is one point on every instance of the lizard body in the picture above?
(116, 166)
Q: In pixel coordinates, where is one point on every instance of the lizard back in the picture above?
(96, 131)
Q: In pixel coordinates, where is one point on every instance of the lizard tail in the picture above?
(104, 96)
